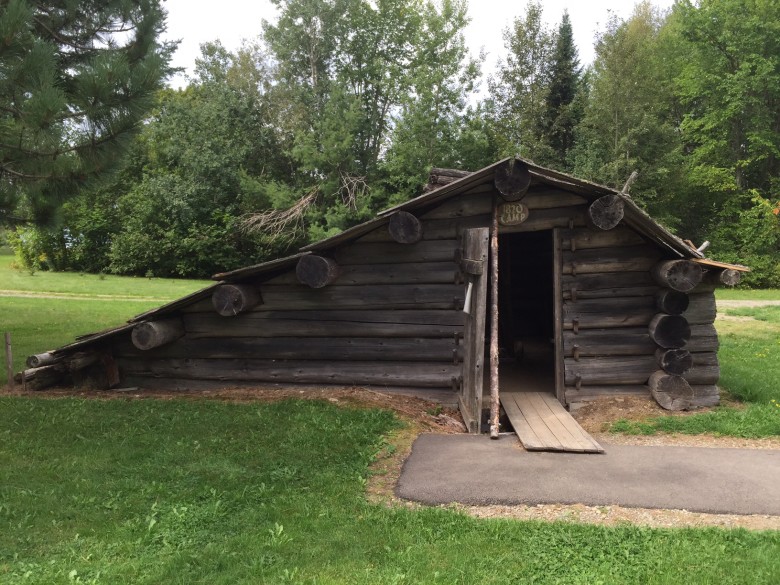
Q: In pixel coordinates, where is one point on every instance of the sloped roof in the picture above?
(634, 217)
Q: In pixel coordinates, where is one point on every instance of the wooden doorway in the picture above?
(527, 331)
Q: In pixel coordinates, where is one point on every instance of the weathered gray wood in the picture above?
(407, 273)
(704, 338)
(231, 299)
(670, 392)
(586, 238)
(606, 293)
(608, 313)
(679, 275)
(606, 280)
(726, 277)
(475, 248)
(9, 360)
(419, 374)
(560, 392)
(702, 309)
(203, 325)
(310, 348)
(669, 331)
(674, 361)
(618, 259)
(81, 360)
(494, 398)
(606, 212)
(392, 253)
(405, 228)
(608, 342)
(705, 395)
(512, 179)
(619, 370)
(150, 334)
(587, 393)
(42, 359)
(40, 378)
(705, 369)
(317, 271)
(471, 205)
(671, 301)
(547, 219)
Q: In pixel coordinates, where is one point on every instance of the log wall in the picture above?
(393, 317)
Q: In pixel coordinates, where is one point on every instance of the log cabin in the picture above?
(552, 283)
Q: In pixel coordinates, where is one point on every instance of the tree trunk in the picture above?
(671, 301)
(606, 212)
(674, 361)
(671, 392)
(405, 228)
(151, 334)
(231, 299)
(316, 271)
(679, 275)
(669, 331)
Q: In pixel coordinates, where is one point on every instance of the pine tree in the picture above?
(561, 112)
(76, 78)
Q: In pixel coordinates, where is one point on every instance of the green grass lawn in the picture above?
(162, 492)
(738, 294)
(750, 372)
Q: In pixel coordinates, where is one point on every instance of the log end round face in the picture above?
(679, 275)
(405, 228)
(316, 271)
(227, 301)
(730, 277)
(672, 302)
(143, 335)
(670, 331)
(512, 179)
(606, 212)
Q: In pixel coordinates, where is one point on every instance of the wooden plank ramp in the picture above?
(543, 424)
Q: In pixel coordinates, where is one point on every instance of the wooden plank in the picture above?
(607, 280)
(588, 443)
(529, 428)
(587, 393)
(587, 238)
(608, 313)
(701, 310)
(550, 417)
(618, 370)
(608, 342)
(407, 273)
(558, 317)
(423, 375)
(393, 252)
(211, 325)
(622, 259)
(481, 204)
(297, 348)
(606, 293)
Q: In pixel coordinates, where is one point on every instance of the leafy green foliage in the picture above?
(78, 77)
(195, 491)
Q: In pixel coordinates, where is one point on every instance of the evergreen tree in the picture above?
(75, 80)
(561, 110)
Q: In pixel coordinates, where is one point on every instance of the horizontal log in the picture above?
(588, 393)
(674, 361)
(726, 277)
(42, 377)
(547, 219)
(608, 342)
(679, 275)
(231, 299)
(705, 370)
(606, 280)
(202, 325)
(466, 206)
(597, 371)
(150, 334)
(587, 238)
(420, 374)
(701, 310)
(401, 316)
(392, 252)
(81, 360)
(669, 331)
(407, 273)
(705, 395)
(670, 392)
(671, 302)
(378, 349)
(42, 359)
(623, 259)
(512, 179)
(317, 271)
(704, 338)
(606, 212)
(608, 313)
(405, 228)
(390, 296)
(605, 293)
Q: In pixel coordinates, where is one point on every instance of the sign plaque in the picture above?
(512, 213)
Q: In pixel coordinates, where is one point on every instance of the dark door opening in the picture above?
(525, 307)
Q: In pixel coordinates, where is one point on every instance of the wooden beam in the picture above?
(151, 334)
(674, 361)
(231, 299)
(679, 275)
(512, 179)
(671, 301)
(670, 392)
(316, 271)
(494, 397)
(670, 331)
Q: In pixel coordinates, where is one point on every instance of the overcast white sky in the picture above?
(197, 21)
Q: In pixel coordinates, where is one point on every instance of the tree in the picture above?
(562, 110)
(518, 93)
(77, 78)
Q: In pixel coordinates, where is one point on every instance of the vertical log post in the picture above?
(494, 398)
(9, 361)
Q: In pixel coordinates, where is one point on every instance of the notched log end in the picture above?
(231, 299)
(405, 228)
(606, 212)
(512, 179)
(317, 271)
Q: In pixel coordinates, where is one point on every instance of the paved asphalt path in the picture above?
(473, 469)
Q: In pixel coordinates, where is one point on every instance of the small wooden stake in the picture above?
(494, 398)
(9, 361)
